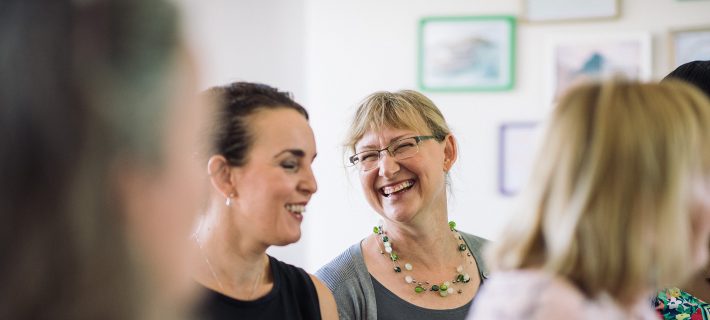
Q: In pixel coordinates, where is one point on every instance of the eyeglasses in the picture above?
(399, 150)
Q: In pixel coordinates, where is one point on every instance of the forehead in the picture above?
(280, 129)
(379, 138)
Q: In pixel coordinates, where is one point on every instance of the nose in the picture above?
(308, 184)
(388, 166)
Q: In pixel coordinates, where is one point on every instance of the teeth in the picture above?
(398, 187)
(296, 208)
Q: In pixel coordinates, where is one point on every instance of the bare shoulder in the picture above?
(328, 308)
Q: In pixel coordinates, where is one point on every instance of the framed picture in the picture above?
(466, 53)
(574, 59)
(518, 143)
(689, 45)
(566, 10)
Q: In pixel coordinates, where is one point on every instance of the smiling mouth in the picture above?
(295, 208)
(397, 188)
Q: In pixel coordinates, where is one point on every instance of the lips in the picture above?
(396, 187)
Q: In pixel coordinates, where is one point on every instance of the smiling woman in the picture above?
(416, 265)
(259, 164)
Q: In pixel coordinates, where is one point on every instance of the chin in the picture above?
(288, 239)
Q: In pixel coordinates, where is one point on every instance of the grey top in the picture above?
(347, 277)
(393, 307)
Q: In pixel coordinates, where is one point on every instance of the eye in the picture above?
(290, 165)
(404, 146)
(368, 156)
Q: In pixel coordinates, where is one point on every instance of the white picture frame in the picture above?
(689, 44)
(573, 59)
(518, 144)
(569, 10)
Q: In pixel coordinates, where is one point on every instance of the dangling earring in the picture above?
(229, 200)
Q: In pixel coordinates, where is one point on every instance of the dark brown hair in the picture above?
(231, 136)
(696, 73)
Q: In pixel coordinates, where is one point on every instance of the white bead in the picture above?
(459, 269)
(466, 277)
(388, 249)
(387, 244)
(408, 266)
(450, 290)
(409, 279)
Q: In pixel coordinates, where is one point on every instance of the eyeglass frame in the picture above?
(417, 140)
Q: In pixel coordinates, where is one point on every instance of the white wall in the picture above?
(257, 41)
(333, 53)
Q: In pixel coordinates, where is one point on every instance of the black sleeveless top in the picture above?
(293, 296)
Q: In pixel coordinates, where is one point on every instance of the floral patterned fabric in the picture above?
(674, 304)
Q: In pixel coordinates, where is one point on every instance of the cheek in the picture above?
(367, 182)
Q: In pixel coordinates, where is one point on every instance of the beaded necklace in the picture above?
(445, 288)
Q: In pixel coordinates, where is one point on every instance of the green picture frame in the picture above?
(466, 53)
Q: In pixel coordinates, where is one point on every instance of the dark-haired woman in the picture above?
(260, 169)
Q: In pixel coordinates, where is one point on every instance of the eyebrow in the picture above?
(391, 140)
(296, 152)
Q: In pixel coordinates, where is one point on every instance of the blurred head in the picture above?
(262, 151)
(409, 175)
(98, 187)
(696, 73)
(618, 193)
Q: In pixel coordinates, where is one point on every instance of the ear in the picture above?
(221, 176)
(451, 152)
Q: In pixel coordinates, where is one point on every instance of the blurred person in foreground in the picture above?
(98, 184)
(690, 300)
(261, 151)
(619, 195)
(416, 264)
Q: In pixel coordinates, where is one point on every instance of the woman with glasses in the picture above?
(416, 264)
(261, 150)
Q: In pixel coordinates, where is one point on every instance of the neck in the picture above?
(229, 259)
(431, 247)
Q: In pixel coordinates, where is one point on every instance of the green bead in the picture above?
(443, 287)
(385, 239)
(452, 225)
(397, 269)
(434, 288)
(462, 247)
(418, 289)
(459, 278)
(394, 256)
(376, 230)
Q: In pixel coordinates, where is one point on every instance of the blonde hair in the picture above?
(404, 109)
(609, 199)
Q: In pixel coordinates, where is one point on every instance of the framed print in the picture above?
(566, 10)
(466, 53)
(574, 59)
(518, 143)
(689, 45)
